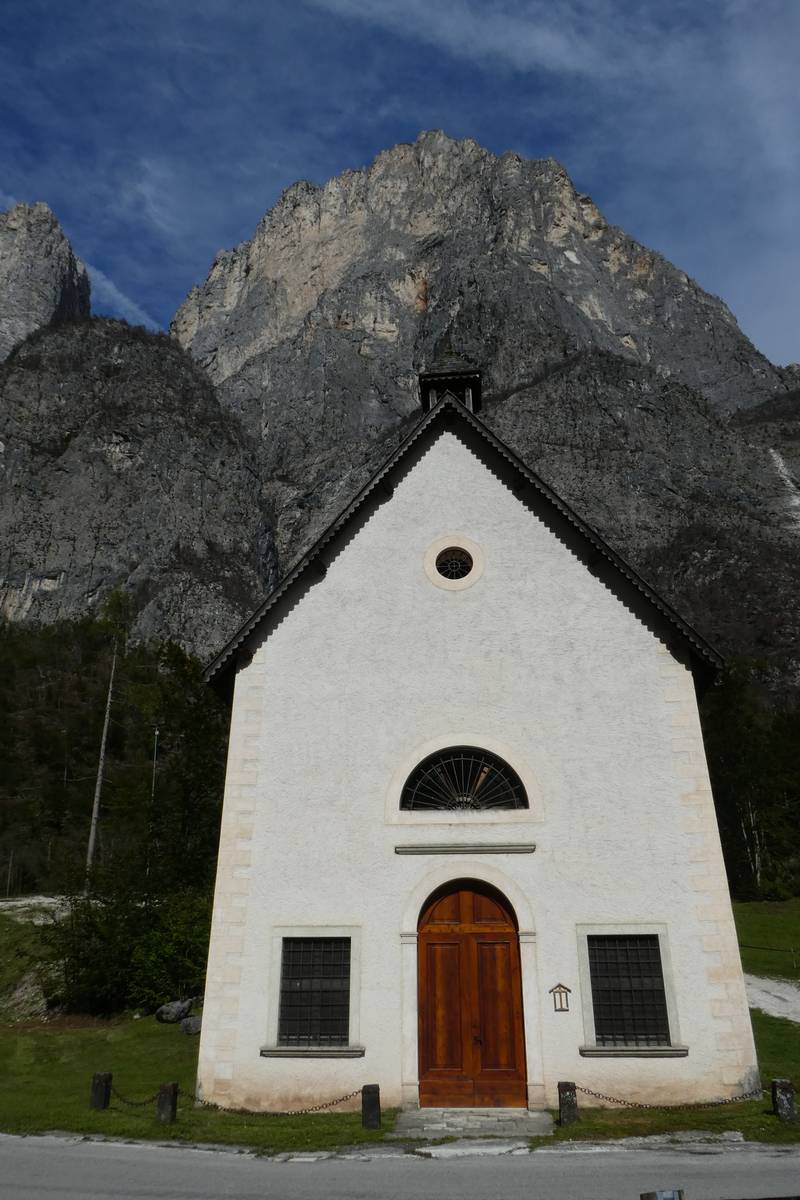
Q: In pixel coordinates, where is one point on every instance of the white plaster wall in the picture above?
(372, 667)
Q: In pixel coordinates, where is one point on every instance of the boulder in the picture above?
(175, 1011)
(191, 1025)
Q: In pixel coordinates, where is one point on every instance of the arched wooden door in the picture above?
(471, 1038)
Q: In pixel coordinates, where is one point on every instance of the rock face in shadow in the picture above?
(631, 390)
(119, 469)
(41, 280)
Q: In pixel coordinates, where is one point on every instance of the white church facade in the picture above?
(468, 843)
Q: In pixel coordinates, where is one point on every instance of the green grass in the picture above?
(46, 1069)
(774, 924)
(20, 950)
(778, 1044)
(21, 953)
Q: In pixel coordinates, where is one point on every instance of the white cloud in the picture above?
(7, 201)
(108, 299)
(597, 39)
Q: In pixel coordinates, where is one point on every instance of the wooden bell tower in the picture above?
(451, 373)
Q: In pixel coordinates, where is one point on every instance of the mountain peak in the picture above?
(41, 280)
(439, 233)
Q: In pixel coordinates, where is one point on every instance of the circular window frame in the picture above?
(461, 542)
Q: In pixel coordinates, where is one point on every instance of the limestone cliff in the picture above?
(41, 280)
(119, 469)
(630, 389)
(362, 276)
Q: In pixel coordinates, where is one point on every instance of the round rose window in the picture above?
(454, 563)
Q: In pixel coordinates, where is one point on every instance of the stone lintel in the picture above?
(633, 1051)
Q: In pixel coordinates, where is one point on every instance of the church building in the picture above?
(468, 843)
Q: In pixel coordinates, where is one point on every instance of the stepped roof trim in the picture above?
(446, 411)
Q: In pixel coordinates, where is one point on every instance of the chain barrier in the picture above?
(133, 1103)
(295, 1112)
(700, 1104)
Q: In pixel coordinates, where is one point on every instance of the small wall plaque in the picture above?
(560, 994)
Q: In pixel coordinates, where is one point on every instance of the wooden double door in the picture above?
(471, 1037)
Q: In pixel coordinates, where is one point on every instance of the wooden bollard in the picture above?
(100, 1095)
(167, 1103)
(783, 1100)
(567, 1104)
(371, 1106)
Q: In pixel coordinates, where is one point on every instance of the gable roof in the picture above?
(598, 556)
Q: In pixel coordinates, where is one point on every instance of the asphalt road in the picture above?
(44, 1167)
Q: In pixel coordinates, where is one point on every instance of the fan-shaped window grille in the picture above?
(463, 778)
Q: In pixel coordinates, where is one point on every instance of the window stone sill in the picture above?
(312, 1051)
(633, 1051)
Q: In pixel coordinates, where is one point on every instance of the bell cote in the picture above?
(449, 372)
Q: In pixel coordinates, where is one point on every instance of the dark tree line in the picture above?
(752, 736)
(136, 928)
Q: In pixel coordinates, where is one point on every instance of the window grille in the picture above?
(630, 1007)
(315, 992)
(454, 563)
(463, 778)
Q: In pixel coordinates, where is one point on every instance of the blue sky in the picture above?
(160, 131)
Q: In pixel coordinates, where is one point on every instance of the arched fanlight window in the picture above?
(463, 779)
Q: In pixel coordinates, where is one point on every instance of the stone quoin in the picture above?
(466, 772)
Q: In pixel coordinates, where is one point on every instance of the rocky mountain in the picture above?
(626, 386)
(119, 469)
(630, 389)
(41, 280)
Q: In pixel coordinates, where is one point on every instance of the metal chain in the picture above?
(295, 1112)
(700, 1104)
(133, 1103)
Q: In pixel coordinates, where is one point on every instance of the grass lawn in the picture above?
(778, 1044)
(775, 924)
(46, 1070)
(47, 1067)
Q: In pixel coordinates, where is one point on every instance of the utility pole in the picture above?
(155, 756)
(156, 732)
(98, 787)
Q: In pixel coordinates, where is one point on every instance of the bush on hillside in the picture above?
(120, 951)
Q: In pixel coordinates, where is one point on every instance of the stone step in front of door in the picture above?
(432, 1123)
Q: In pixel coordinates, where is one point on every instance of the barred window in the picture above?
(315, 992)
(628, 998)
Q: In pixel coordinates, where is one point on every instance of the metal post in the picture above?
(371, 1106)
(783, 1100)
(156, 732)
(167, 1103)
(567, 1104)
(100, 1095)
(98, 787)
